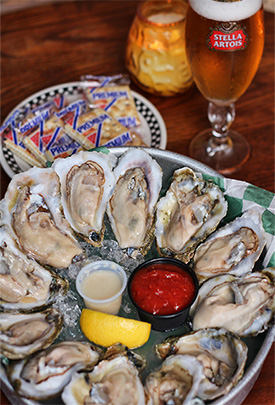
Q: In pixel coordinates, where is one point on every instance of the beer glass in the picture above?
(224, 40)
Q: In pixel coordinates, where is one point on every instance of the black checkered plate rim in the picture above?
(149, 115)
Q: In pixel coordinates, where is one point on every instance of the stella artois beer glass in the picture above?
(224, 40)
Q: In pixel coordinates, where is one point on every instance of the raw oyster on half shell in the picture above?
(23, 334)
(114, 380)
(191, 209)
(46, 373)
(132, 206)
(24, 284)
(222, 354)
(244, 305)
(87, 182)
(232, 249)
(175, 382)
(32, 209)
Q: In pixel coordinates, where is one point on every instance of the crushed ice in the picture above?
(71, 304)
(70, 308)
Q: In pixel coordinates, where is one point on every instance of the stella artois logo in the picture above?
(227, 37)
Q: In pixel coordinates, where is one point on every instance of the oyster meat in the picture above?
(32, 209)
(45, 374)
(132, 206)
(222, 354)
(24, 284)
(232, 249)
(87, 182)
(23, 334)
(191, 209)
(112, 382)
(244, 305)
(175, 382)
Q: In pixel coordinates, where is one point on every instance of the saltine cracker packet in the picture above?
(48, 140)
(112, 94)
(61, 144)
(12, 139)
(38, 140)
(97, 128)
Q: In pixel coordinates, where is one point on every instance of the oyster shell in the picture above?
(87, 182)
(175, 382)
(23, 334)
(45, 374)
(119, 349)
(24, 284)
(114, 381)
(244, 305)
(132, 206)
(222, 354)
(191, 209)
(31, 208)
(232, 249)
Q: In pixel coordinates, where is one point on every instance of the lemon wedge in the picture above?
(106, 330)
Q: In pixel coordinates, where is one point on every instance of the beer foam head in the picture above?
(226, 10)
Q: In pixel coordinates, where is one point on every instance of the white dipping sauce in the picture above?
(101, 284)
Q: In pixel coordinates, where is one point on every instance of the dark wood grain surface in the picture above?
(58, 42)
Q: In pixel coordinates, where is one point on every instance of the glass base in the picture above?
(224, 155)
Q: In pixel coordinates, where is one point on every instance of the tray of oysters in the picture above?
(54, 220)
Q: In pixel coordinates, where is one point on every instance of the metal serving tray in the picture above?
(258, 347)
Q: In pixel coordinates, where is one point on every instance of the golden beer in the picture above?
(224, 42)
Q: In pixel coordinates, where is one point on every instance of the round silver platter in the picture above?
(258, 347)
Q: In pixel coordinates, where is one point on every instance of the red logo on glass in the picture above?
(227, 37)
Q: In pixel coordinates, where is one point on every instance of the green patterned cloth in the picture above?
(242, 196)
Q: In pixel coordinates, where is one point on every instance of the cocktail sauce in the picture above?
(162, 289)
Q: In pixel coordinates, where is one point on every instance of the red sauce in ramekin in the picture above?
(162, 289)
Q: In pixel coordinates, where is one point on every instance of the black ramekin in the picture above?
(164, 322)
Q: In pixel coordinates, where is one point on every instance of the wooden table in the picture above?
(58, 42)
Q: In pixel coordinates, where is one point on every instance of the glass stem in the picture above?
(221, 118)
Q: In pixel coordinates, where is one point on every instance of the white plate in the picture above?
(153, 128)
